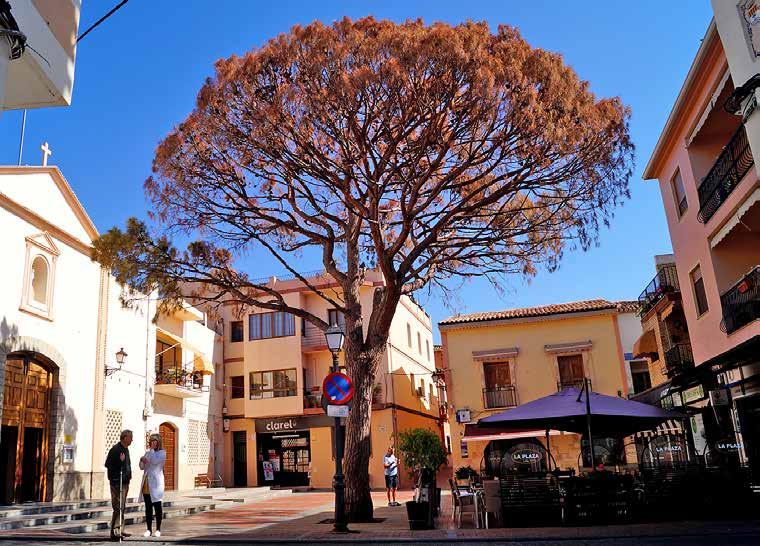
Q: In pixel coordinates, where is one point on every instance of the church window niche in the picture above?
(39, 275)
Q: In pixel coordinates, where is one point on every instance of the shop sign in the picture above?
(693, 394)
(289, 424)
(728, 446)
(698, 433)
(526, 456)
(667, 449)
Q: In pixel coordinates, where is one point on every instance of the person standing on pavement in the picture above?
(153, 482)
(390, 464)
(119, 475)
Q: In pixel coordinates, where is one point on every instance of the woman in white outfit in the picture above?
(153, 482)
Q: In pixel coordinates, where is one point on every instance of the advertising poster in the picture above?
(268, 471)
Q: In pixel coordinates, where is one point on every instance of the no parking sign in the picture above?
(338, 389)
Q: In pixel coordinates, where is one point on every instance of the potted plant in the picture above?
(423, 454)
(463, 475)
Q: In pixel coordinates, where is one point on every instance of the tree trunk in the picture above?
(362, 368)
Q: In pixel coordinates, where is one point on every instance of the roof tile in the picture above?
(540, 311)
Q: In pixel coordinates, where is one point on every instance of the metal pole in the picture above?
(588, 422)
(21, 141)
(340, 524)
(548, 453)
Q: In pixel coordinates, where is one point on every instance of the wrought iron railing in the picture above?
(570, 384)
(176, 376)
(499, 397)
(312, 399)
(732, 165)
(666, 281)
(741, 303)
(678, 359)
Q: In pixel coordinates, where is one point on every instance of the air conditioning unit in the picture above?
(463, 415)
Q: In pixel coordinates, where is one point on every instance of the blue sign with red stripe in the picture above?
(338, 389)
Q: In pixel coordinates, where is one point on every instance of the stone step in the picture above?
(60, 516)
(49, 507)
(102, 520)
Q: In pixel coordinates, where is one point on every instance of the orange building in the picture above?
(705, 162)
(274, 365)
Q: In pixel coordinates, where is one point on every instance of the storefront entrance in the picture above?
(283, 458)
(25, 424)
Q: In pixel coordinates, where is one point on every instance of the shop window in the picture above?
(237, 389)
(270, 325)
(700, 296)
(273, 384)
(236, 331)
(679, 193)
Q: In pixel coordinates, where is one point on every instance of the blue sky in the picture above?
(138, 74)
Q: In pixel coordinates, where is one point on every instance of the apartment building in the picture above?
(274, 365)
(705, 163)
(499, 360)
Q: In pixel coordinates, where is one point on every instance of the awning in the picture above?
(669, 427)
(652, 396)
(736, 218)
(474, 433)
(645, 345)
(714, 99)
(494, 354)
(201, 363)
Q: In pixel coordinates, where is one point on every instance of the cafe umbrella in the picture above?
(577, 410)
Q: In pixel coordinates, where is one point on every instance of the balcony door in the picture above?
(570, 371)
(498, 392)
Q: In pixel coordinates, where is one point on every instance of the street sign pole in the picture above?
(340, 525)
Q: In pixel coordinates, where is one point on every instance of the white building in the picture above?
(64, 398)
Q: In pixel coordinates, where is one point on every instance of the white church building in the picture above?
(76, 367)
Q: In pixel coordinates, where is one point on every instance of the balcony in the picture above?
(678, 359)
(499, 397)
(312, 339)
(732, 165)
(570, 384)
(312, 402)
(179, 383)
(665, 282)
(741, 303)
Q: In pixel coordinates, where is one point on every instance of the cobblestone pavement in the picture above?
(295, 518)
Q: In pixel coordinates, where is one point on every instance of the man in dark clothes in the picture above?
(119, 473)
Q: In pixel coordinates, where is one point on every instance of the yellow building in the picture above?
(274, 365)
(498, 360)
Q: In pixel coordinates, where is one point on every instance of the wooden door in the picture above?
(496, 374)
(570, 369)
(27, 391)
(169, 438)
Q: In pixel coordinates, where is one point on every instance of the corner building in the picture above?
(274, 365)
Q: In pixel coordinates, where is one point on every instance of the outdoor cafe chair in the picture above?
(465, 503)
(491, 501)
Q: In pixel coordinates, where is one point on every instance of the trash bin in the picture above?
(418, 513)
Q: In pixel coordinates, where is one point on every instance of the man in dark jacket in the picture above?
(119, 473)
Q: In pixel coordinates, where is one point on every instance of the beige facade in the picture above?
(289, 357)
(495, 361)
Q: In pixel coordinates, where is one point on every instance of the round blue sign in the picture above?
(337, 388)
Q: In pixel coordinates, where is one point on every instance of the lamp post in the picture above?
(334, 336)
(121, 358)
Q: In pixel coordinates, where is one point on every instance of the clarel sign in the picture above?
(288, 424)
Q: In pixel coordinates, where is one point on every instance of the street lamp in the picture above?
(334, 336)
(121, 358)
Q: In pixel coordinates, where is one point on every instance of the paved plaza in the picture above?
(282, 517)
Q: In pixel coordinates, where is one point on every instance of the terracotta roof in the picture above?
(527, 312)
(628, 306)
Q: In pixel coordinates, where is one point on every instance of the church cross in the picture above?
(46, 152)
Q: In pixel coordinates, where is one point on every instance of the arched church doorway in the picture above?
(169, 437)
(25, 428)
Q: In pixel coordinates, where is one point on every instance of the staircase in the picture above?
(76, 517)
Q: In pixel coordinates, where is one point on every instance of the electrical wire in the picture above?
(106, 16)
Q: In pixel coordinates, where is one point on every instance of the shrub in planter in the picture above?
(423, 454)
